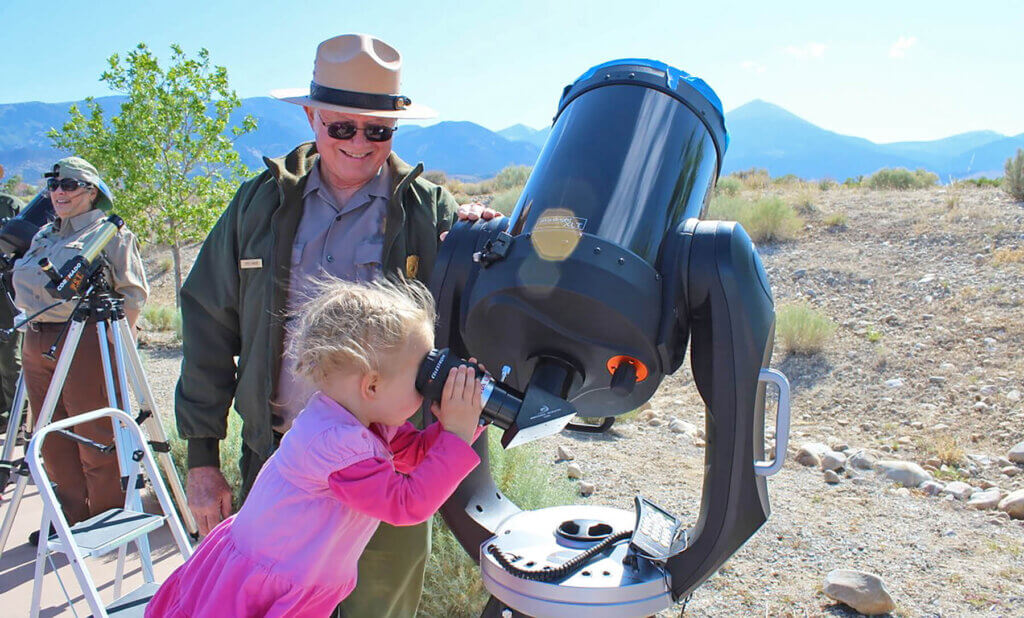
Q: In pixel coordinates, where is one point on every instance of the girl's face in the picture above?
(395, 398)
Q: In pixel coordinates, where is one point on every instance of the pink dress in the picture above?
(292, 549)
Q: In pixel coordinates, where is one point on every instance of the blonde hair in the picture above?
(352, 325)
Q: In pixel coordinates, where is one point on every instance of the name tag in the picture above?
(251, 263)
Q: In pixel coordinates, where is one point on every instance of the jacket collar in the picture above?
(292, 170)
(78, 222)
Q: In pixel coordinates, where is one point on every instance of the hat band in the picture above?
(362, 100)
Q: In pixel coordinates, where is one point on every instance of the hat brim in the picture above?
(300, 96)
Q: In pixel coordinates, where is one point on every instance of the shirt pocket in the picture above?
(367, 259)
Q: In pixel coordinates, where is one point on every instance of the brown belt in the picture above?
(49, 327)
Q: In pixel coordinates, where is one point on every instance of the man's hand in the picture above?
(209, 497)
(473, 211)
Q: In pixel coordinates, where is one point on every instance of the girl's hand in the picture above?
(460, 403)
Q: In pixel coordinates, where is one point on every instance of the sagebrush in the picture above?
(902, 179)
(1013, 177)
(803, 329)
(765, 220)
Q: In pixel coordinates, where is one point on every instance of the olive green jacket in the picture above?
(233, 302)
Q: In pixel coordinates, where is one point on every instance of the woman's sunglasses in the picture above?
(346, 129)
(68, 184)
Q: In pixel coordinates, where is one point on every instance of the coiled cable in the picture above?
(549, 573)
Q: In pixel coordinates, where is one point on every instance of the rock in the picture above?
(985, 500)
(810, 454)
(959, 490)
(1016, 454)
(574, 471)
(906, 473)
(1013, 395)
(862, 460)
(917, 425)
(1010, 471)
(894, 382)
(862, 591)
(931, 488)
(940, 427)
(587, 489)
(654, 422)
(799, 274)
(904, 440)
(980, 405)
(831, 460)
(1013, 504)
(831, 477)
(563, 454)
(679, 426)
(933, 462)
(937, 379)
(699, 443)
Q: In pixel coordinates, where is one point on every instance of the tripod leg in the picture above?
(154, 425)
(13, 424)
(60, 373)
(41, 549)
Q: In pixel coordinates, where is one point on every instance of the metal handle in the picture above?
(768, 468)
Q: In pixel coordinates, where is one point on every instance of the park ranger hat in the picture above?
(357, 74)
(80, 169)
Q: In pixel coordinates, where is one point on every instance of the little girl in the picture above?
(349, 461)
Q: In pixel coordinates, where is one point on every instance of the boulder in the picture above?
(985, 500)
(831, 477)
(864, 592)
(563, 454)
(931, 488)
(1013, 504)
(862, 460)
(810, 454)
(574, 471)
(1017, 453)
(906, 473)
(959, 490)
(833, 460)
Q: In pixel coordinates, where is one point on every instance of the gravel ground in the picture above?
(931, 324)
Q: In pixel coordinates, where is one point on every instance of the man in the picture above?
(345, 206)
(10, 350)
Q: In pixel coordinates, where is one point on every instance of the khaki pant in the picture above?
(88, 481)
(390, 569)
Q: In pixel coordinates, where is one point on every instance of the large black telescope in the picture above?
(588, 295)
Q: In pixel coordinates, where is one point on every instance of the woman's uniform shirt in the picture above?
(62, 240)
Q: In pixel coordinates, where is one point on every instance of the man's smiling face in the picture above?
(351, 162)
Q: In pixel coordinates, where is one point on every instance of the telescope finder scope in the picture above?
(72, 278)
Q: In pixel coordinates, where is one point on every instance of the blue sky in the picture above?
(887, 71)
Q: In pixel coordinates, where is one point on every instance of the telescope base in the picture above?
(605, 587)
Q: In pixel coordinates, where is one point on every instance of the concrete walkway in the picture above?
(17, 565)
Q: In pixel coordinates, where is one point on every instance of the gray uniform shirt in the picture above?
(346, 242)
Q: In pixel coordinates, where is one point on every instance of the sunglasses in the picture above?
(68, 184)
(346, 129)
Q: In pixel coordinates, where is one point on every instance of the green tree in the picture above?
(169, 154)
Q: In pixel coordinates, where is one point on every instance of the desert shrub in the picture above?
(438, 177)
(728, 185)
(805, 203)
(505, 201)
(854, 181)
(945, 449)
(984, 182)
(765, 220)
(836, 220)
(452, 585)
(162, 317)
(802, 329)
(511, 177)
(1008, 255)
(1013, 179)
(165, 264)
(827, 184)
(754, 178)
(902, 179)
(786, 180)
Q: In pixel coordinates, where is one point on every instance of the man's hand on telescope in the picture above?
(473, 211)
(209, 497)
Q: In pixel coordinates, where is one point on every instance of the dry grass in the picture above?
(802, 329)
(1008, 255)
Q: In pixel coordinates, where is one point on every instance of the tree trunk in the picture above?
(176, 253)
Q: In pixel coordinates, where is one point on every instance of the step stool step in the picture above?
(133, 604)
(108, 531)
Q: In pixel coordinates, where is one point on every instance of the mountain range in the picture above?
(761, 135)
